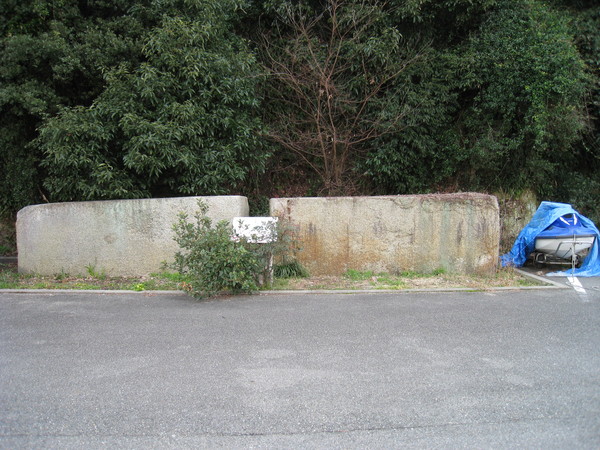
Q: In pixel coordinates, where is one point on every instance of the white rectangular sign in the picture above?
(256, 230)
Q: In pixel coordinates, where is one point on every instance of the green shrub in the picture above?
(211, 259)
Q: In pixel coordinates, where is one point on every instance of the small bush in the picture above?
(211, 259)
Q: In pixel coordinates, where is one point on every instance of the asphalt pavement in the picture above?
(498, 369)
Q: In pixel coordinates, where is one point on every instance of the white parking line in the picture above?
(576, 284)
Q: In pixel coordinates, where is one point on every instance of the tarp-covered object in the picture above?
(545, 215)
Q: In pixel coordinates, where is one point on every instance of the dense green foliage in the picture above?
(52, 54)
(116, 98)
(182, 122)
(581, 185)
(499, 109)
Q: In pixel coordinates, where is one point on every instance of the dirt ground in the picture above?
(9, 278)
(504, 278)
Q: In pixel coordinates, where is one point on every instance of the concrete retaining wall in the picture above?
(455, 232)
(117, 237)
(515, 214)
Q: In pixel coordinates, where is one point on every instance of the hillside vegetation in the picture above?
(104, 99)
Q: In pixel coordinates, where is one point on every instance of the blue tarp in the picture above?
(545, 215)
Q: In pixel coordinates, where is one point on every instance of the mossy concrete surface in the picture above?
(515, 212)
(113, 237)
(458, 233)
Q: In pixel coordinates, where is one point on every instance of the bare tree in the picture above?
(332, 85)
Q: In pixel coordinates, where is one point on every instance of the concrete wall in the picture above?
(117, 237)
(456, 232)
(515, 213)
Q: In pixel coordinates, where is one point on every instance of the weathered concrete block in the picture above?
(117, 237)
(455, 232)
(515, 213)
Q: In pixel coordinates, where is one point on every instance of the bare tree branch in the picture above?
(328, 100)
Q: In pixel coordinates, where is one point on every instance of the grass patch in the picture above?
(94, 280)
(437, 279)
(93, 273)
(292, 269)
(386, 281)
(351, 280)
(357, 275)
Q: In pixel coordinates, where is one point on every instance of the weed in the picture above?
(385, 281)
(61, 276)
(415, 274)
(92, 272)
(171, 276)
(292, 269)
(8, 284)
(357, 275)
(399, 285)
(85, 286)
(9, 279)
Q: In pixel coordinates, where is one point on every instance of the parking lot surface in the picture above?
(418, 370)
